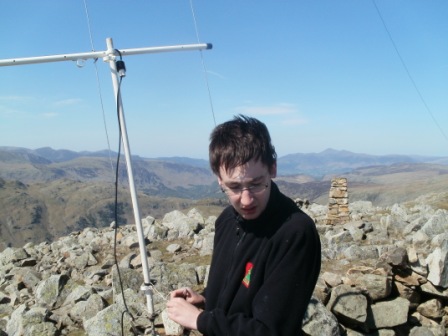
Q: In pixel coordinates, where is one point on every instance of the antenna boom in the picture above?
(102, 54)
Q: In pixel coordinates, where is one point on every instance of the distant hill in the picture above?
(46, 193)
(176, 177)
(183, 177)
(331, 161)
(186, 161)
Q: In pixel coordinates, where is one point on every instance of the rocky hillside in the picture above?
(385, 272)
(45, 211)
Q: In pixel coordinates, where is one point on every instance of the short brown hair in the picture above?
(236, 142)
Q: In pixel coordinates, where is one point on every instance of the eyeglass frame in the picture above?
(239, 191)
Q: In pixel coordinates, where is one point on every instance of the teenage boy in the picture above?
(267, 254)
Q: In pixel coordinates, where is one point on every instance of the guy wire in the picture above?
(203, 64)
(409, 73)
(99, 86)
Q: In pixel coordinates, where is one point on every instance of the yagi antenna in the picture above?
(110, 56)
(107, 55)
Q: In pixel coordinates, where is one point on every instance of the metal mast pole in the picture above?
(110, 55)
(146, 287)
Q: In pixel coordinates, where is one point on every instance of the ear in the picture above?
(219, 181)
(273, 170)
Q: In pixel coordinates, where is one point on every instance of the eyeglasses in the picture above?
(253, 189)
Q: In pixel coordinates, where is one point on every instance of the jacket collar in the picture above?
(265, 221)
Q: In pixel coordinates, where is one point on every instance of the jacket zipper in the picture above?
(232, 262)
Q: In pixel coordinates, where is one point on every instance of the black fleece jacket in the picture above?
(263, 271)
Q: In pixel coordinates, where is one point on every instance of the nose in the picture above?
(246, 197)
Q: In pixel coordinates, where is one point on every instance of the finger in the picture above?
(176, 293)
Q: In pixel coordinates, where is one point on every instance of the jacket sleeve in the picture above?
(287, 283)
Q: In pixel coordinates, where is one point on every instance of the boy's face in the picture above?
(248, 187)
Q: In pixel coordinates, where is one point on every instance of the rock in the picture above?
(421, 331)
(418, 263)
(180, 225)
(408, 293)
(431, 309)
(131, 241)
(380, 332)
(108, 262)
(156, 255)
(399, 211)
(319, 321)
(148, 221)
(437, 223)
(322, 291)
(137, 261)
(438, 267)
(79, 261)
(30, 322)
(173, 248)
(47, 291)
(357, 234)
(31, 278)
(388, 314)
(377, 287)
(201, 273)
(107, 322)
(340, 237)
(171, 327)
(11, 255)
(196, 215)
(432, 325)
(15, 324)
(332, 279)
(129, 279)
(317, 212)
(364, 207)
(78, 294)
(183, 275)
(397, 257)
(429, 288)
(206, 246)
(356, 252)
(418, 319)
(71, 286)
(420, 239)
(348, 304)
(408, 277)
(42, 329)
(82, 310)
(125, 262)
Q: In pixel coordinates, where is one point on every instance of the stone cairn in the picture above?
(338, 210)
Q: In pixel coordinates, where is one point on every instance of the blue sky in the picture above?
(320, 74)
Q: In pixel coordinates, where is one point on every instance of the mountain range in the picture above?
(329, 161)
(45, 193)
